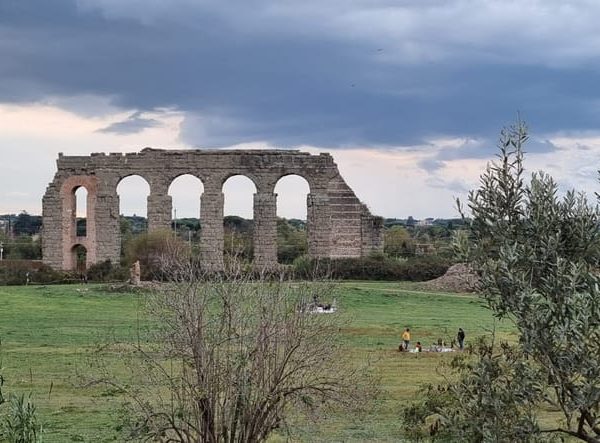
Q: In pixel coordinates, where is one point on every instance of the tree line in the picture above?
(403, 237)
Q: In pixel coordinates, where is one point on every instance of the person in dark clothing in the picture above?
(461, 338)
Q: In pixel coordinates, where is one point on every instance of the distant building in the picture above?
(427, 222)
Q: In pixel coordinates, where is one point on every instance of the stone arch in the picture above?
(79, 258)
(246, 174)
(68, 199)
(186, 191)
(128, 174)
(183, 182)
(129, 181)
(132, 192)
(80, 210)
(291, 183)
(240, 184)
(339, 224)
(238, 231)
(291, 191)
(309, 179)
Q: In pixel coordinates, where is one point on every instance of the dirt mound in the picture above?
(458, 278)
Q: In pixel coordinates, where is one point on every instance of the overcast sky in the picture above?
(408, 96)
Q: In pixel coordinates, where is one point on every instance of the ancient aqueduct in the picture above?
(338, 224)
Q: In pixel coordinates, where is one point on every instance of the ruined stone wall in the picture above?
(338, 224)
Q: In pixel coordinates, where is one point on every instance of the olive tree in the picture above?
(537, 254)
(488, 395)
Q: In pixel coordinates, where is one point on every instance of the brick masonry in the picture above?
(338, 224)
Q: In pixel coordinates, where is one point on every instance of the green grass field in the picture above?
(48, 332)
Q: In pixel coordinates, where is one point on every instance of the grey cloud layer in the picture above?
(133, 124)
(326, 73)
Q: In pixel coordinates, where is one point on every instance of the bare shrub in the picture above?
(232, 357)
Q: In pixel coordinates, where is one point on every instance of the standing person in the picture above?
(461, 338)
(406, 338)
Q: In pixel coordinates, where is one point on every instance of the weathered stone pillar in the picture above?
(160, 207)
(65, 222)
(265, 230)
(52, 232)
(318, 224)
(107, 226)
(211, 240)
(371, 233)
(69, 226)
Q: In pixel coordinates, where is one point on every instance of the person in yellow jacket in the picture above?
(406, 338)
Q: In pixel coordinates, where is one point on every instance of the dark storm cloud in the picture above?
(479, 149)
(265, 71)
(537, 146)
(133, 124)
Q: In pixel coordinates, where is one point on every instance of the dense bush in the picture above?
(151, 250)
(23, 247)
(374, 267)
(21, 272)
(105, 271)
(292, 240)
(398, 242)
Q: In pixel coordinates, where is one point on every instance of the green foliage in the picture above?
(105, 272)
(20, 424)
(188, 230)
(151, 250)
(404, 239)
(26, 224)
(303, 266)
(538, 255)
(21, 272)
(238, 246)
(460, 245)
(133, 225)
(487, 396)
(398, 242)
(291, 240)
(23, 247)
(188, 224)
(374, 267)
(238, 239)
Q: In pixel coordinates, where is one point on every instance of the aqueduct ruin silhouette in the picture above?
(338, 224)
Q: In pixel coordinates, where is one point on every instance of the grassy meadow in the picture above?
(47, 333)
